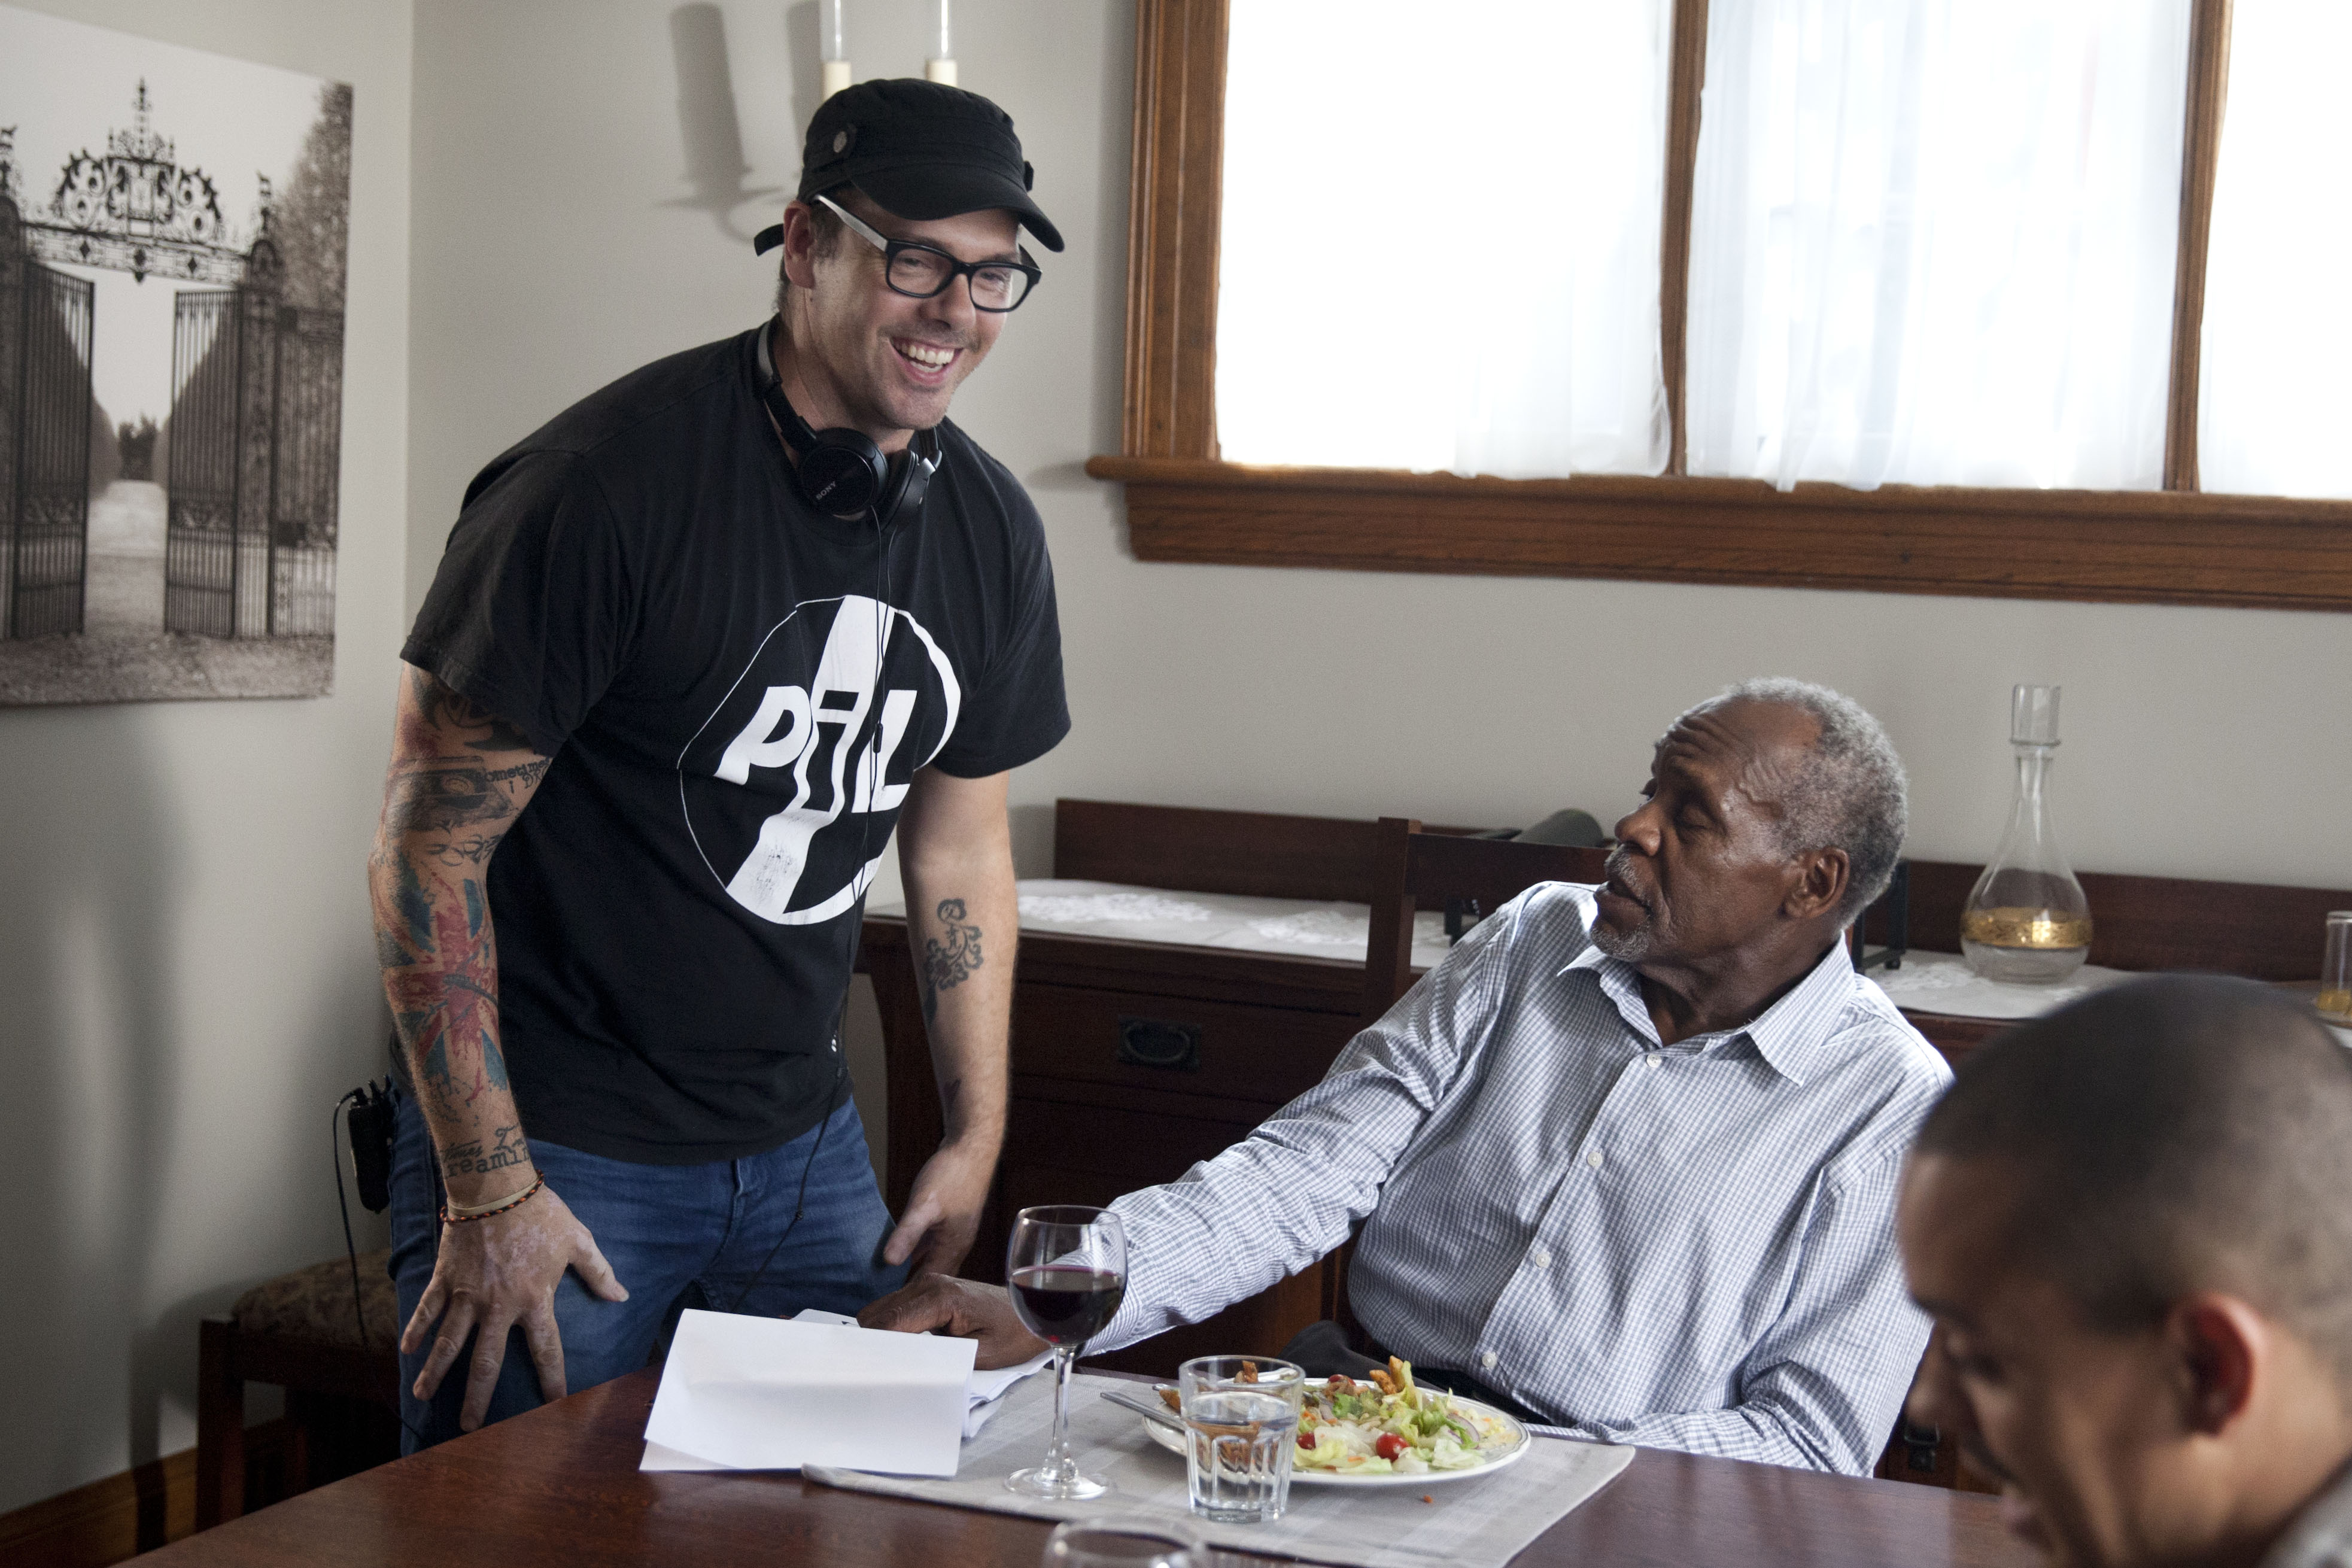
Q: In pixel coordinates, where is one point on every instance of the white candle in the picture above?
(941, 66)
(832, 47)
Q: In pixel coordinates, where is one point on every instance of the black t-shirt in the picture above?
(736, 690)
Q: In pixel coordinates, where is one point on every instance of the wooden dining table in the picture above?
(561, 1486)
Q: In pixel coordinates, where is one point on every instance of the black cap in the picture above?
(921, 150)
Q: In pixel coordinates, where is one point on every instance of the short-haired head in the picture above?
(1849, 791)
(2166, 1136)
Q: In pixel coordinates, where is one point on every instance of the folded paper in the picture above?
(761, 1394)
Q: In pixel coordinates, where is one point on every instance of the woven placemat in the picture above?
(1473, 1522)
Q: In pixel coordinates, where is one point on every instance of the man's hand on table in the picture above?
(492, 1273)
(943, 1210)
(958, 1308)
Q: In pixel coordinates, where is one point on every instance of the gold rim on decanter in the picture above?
(2040, 929)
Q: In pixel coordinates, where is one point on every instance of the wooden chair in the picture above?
(299, 1331)
(1414, 869)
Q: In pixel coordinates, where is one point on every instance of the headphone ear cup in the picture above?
(910, 476)
(843, 473)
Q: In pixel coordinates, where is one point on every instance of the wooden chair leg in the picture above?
(302, 1412)
(220, 1425)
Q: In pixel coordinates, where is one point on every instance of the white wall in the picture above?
(186, 980)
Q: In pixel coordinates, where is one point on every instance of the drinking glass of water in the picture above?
(1243, 1417)
(1067, 1266)
(1126, 1541)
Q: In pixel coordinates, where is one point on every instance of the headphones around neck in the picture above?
(844, 474)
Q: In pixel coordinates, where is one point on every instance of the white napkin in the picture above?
(760, 1393)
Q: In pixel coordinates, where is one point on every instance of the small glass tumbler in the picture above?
(1125, 1540)
(1242, 1413)
(2334, 1002)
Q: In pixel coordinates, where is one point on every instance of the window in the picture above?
(1954, 249)
(2278, 318)
(1503, 320)
(1934, 244)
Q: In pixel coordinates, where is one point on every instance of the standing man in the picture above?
(696, 647)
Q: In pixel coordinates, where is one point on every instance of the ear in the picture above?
(2223, 1349)
(799, 246)
(1822, 876)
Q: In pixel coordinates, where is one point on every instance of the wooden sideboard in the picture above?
(1237, 1035)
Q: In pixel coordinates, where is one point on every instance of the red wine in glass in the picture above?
(1065, 1305)
(1068, 1267)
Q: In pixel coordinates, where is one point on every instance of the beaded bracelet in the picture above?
(448, 1217)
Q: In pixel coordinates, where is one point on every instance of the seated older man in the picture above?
(1627, 1160)
(2132, 1220)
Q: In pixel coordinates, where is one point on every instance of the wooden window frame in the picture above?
(2171, 546)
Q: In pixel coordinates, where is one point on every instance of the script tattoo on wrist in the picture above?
(470, 1159)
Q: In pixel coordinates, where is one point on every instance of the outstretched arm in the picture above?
(955, 855)
(458, 778)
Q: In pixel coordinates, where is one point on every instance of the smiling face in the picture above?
(1700, 870)
(876, 361)
(2081, 1426)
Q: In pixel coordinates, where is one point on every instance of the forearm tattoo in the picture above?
(458, 777)
(949, 958)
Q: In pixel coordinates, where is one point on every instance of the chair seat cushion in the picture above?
(315, 1303)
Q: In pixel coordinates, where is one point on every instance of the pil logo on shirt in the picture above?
(790, 784)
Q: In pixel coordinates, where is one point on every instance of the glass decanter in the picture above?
(2028, 921)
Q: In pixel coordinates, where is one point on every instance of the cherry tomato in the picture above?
(1307, 1439)
(1389, 1446)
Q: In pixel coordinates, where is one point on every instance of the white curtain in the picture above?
(1933, 241)
(2272, 409)
(1440, 235)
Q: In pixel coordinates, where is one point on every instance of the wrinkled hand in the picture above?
(943, 1211)
(492, 1273)
(958, 1308)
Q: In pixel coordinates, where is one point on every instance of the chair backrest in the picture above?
(1412, 869)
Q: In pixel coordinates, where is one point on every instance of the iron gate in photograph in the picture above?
(44, 433)
(249, 546)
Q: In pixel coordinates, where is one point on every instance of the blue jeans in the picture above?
(678, 1237)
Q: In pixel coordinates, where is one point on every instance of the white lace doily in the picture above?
(1094, 908)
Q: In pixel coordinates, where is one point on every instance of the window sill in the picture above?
(2150, 547)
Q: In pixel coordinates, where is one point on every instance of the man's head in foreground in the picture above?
(904, 186)
(2132, 1223)
(1773, 816)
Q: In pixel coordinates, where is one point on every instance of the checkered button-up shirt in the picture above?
(1688, 1246)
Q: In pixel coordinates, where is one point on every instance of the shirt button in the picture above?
(1486, 1361)
(1655, 1058)
(1593, 1159)
(1540, 1258)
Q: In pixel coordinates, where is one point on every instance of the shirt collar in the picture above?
(2320, 1531)
(1794, 1034)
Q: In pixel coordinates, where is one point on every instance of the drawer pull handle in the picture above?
(1157, 1042)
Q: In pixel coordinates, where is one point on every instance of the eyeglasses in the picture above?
(925, 271)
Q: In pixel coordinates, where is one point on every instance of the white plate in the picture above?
(1174, 1444)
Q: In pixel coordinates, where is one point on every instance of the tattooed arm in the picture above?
(955, 854)
(458, 778)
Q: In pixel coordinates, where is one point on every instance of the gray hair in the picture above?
(1848, 793)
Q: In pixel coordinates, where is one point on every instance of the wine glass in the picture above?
(1067, 1268)
(1118, 1541)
